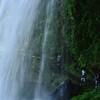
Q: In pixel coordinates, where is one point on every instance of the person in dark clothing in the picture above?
(59, 62)
(97, 80)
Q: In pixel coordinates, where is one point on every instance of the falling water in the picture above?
(17, 19)
(48, 31)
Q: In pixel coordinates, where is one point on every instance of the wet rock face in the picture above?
(62, 92)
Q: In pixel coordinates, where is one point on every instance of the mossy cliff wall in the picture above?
(76, 38)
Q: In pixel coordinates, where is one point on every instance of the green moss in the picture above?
(57, 79)
(92, 95)
(84, 33)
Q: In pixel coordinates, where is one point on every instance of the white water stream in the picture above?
(40, 94)
(17, 19)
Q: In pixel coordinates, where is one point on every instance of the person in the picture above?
(95, 81)
(83, 75)
(58, 60)
(98, 80)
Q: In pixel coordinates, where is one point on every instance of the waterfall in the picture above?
(19, 33)
(40, 93)
(17, 18)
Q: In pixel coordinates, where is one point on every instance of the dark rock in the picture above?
(62, 92)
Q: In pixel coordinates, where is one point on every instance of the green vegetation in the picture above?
(83, 40)
(92, 95)
(78, 35)
(84, 33)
